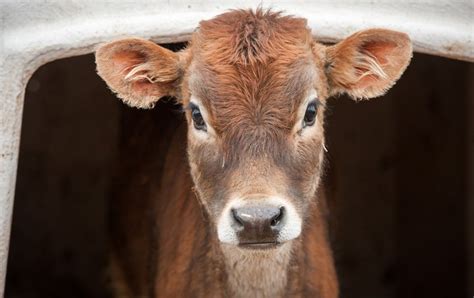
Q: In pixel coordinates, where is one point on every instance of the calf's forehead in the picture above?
(272, 83)
(252, 57)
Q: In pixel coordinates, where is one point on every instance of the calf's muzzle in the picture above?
(258, 224)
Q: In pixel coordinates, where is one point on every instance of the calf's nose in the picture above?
(258, 224)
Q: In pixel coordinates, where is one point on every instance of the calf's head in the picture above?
(254, 86)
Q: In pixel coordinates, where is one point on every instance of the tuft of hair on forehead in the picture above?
(247, 37)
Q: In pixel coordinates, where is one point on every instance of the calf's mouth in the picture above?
(259, 245)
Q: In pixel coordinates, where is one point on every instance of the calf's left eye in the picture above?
(310, 114)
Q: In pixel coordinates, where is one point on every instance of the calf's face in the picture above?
(254, 87)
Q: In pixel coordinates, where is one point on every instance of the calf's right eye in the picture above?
(198, 120)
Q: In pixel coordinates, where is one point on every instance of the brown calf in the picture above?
(254, 86)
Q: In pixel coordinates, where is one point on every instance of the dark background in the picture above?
(401, 168)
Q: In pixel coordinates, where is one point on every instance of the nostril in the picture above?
(278, 217)
(237, 218)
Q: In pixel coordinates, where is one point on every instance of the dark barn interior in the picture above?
(401, 170)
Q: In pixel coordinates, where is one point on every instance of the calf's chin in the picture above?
(257, 273)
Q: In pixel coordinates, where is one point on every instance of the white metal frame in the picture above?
(33, 33)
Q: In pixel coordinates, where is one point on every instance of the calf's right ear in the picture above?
(138, 70)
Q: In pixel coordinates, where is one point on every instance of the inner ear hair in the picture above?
(139, 71)
(367, 63)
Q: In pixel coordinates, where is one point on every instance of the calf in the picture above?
(244, 216)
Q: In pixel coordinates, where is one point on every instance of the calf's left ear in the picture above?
(367, 63)
(138, 70)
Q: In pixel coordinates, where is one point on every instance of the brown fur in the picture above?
(189, 260)
(251, 71)
(134, 66)
(368, 63)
